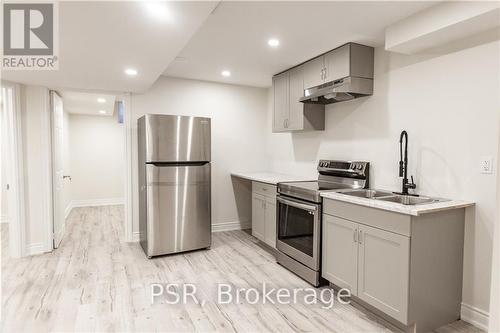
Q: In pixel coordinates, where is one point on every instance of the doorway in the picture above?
(88, 156)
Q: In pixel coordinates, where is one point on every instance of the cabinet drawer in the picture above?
(382, 219)
(264, 189)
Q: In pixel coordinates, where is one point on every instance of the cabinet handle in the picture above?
(325, 73)
(284, 123)
(360, 238)
(322, 74)
(355, 235)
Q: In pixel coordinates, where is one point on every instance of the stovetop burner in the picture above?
(333, 175)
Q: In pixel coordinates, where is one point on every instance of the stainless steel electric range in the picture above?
(298, 215)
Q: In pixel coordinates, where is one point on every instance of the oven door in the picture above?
(298, 230)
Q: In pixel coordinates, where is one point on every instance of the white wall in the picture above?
(449, 105)
(97, 160)
(238, 133)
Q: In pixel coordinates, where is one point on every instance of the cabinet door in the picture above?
(383, 271)
(258, 215)
(296, 111)
(340, 252)
(270, 222)
(314, 72)
(337, 63)
(281, 102)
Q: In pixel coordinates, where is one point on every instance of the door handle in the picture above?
(297, 204)
(360, 237)
(355, 235)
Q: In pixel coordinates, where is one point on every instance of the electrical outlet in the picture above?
(487, 164)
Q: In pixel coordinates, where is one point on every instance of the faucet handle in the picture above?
(412, 184)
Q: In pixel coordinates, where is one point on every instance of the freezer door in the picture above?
(176, 138)
(178, 208)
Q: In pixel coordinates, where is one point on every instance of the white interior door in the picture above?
(58, 166)
(12, 167)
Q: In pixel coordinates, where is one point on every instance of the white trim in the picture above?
(228, 226)
(67, 211)
(136, 236)
(46, 166)
(97, 202)
(35, 248)
(128, 216)
(474, 316)
(4, 219)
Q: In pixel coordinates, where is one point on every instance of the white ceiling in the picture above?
(98, 40)
(235, 36)
(86, 103)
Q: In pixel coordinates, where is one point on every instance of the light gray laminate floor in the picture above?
(97, 282)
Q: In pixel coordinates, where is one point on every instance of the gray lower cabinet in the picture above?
(264, 213)
(406, 268)
(340, 252)
(372, 263)
(258, 215)
(270, 222)
(383, 270)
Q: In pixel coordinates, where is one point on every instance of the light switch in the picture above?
(487, 164)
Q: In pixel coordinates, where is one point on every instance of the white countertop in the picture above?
(414, 210)
(269, 177)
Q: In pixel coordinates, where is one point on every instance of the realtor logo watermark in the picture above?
(30, 36)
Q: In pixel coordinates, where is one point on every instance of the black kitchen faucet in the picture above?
(403, 165)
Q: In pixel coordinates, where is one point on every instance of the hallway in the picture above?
(97, 282)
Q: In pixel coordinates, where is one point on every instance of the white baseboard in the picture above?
(474, 316)
(97, 202)
(228, 226)
(35, 248)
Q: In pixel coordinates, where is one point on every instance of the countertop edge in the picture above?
(416, 210)
(268, 177)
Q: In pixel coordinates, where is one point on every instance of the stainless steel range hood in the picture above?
(338, 91)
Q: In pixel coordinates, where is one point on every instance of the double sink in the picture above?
(391, 197)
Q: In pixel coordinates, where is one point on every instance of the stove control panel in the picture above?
(343, 167)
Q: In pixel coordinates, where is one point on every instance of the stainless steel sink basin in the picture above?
(390, 197)
(410, 200)
(366, 193)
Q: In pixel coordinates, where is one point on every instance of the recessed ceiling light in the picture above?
(226, 73)
(158, 10)
(273, 42)
(131, 72)
(101, 100)
(102, 112)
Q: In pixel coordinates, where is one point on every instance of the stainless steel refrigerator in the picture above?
(174, 183)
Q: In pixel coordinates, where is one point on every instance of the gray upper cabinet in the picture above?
(296, 91)
(289, 113)
(314, 72)
(281, 102)
(349, 60)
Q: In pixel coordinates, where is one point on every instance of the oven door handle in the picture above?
(296, 204)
